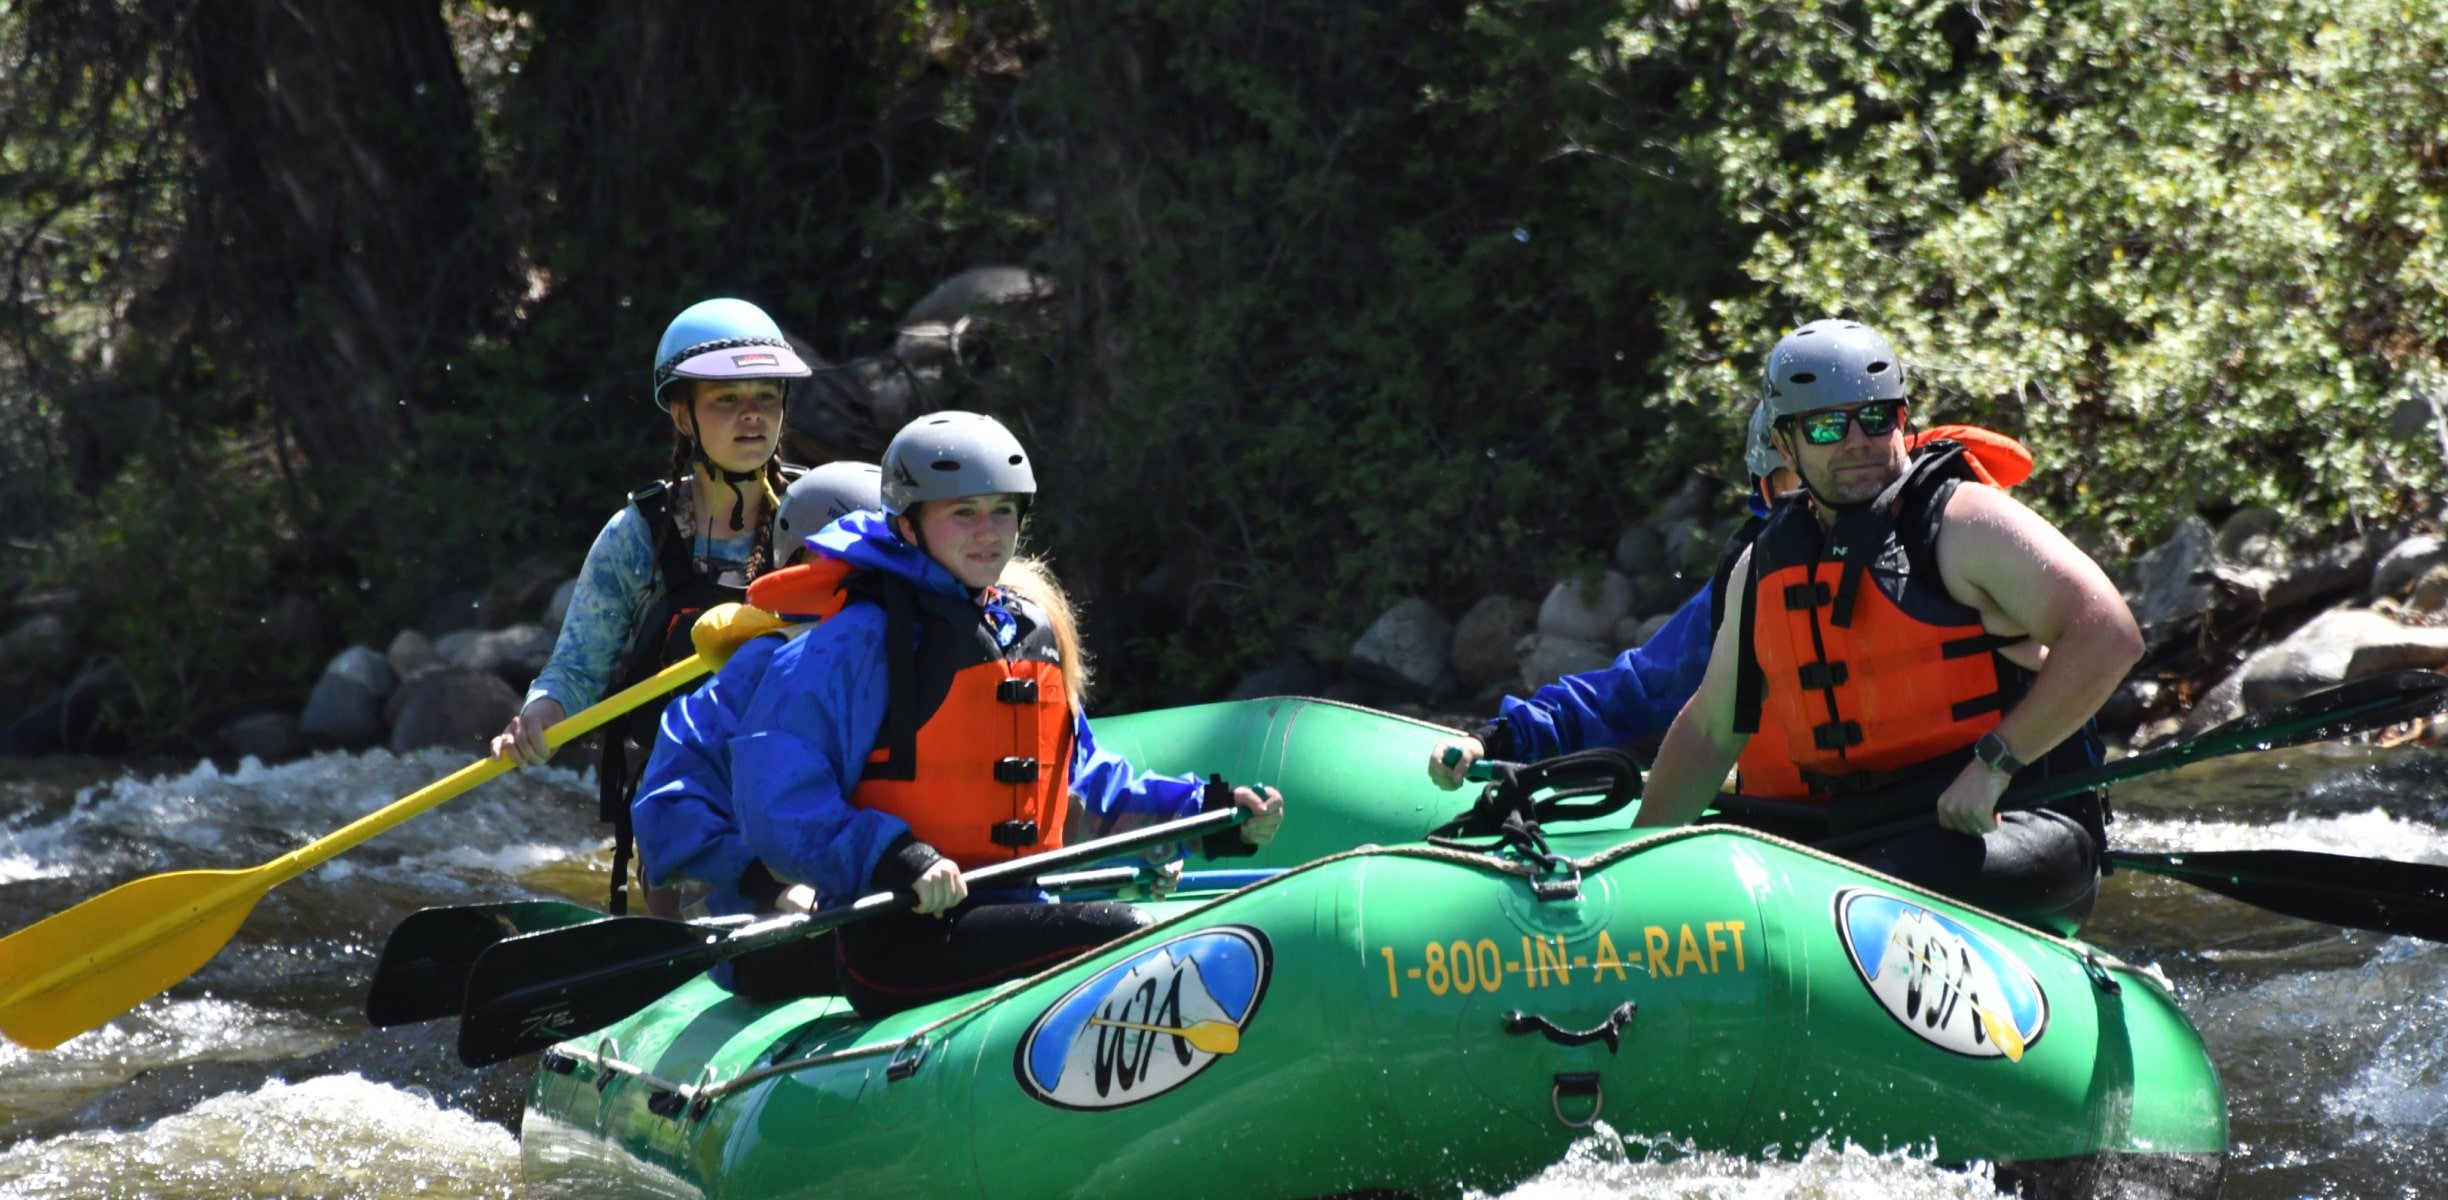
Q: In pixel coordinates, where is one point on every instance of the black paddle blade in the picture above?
(423, 971)
(2379, 894)
(530, 992)
(2355, 706)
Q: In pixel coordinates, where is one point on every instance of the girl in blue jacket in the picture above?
(933, 724)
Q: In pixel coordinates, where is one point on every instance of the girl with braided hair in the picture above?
(680, 546)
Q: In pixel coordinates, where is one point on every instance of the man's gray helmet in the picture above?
(1759, 451)
(824, 494)
(946, 455)
(1830, 364)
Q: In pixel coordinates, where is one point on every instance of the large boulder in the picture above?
(2172, 580)
(346, 706)
(452, 707)
(1484, 638)
(1406, 645)
(2318, 655)
(1586, 610)
(520, 593)
(2405, 563)
(1546, 658)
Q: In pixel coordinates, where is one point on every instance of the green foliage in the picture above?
(1356, 301)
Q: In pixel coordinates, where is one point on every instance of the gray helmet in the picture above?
(1759, 451)
(815, 499)
(1830, 364)
(945, 455)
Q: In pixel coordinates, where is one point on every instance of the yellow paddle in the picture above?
(75, 970)
(1212, 1037)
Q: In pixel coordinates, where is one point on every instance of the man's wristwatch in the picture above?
(1992, 753)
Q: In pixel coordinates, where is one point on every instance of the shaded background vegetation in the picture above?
(354, 301)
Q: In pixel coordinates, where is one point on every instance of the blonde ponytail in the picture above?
(1032, 580)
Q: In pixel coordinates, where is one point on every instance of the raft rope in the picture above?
(691, 1101)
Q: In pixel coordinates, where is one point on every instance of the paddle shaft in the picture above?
(561, 733)
(530, 992)
(78, 968)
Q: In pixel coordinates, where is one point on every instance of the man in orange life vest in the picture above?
(1920, 638)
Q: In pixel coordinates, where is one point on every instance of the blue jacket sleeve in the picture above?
(1638, 694)
(615, 588)
(685, 820)
(1109, 788)
(802, 742)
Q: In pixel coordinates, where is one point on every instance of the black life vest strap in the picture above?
(899, 737)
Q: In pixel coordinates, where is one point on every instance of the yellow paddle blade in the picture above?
(2002, 1031)
(74, 971)
(1212, 1037)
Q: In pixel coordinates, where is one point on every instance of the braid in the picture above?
(763, 556)
(677, 502)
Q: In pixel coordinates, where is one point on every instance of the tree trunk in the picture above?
(344, 213)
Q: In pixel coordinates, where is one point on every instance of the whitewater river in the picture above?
(258, 1077)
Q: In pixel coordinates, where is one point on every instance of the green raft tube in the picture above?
(1411, 1019)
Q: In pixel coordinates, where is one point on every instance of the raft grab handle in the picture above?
(1577, 1084)
(906, 1060)
(1609, 1031)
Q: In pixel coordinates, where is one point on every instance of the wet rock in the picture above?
(2431, 591)
(1585, 611)
(2318, 655)
(557, 610)
(2251, 537)
(452, 707)
(366, 667)
(265, 737)
(37, 650)
(1638, 551)
(411, 653)
(1483, 640)
(342, 712)
(1293, 678)
(2404, 563)
(522, 592)
(2171, 580)
(1546, 658)
(516, 654)
(1407, 645)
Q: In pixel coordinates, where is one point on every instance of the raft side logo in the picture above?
(1146, 1024)
(1948, 983)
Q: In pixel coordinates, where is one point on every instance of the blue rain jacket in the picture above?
(1636, 695)
(759, 762)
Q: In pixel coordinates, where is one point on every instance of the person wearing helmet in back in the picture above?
(680, 546)
(931, 724)
(1630, 701)
(1917, 638)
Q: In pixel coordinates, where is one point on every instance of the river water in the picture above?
(258, 1076)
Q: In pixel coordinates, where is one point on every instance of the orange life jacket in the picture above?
(1857, 665)
(975, 752)
(811, 590)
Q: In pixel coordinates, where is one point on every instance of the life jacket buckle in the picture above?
(1837, 735)
(1016, 691)
(1015, 834)
(1819, 676)
(1015, 770)
(1800, 596)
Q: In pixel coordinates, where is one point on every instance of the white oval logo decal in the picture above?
(1147, 1024)
(1944, 980)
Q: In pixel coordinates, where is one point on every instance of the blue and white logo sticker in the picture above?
(1147, 1024)
(1944, 980)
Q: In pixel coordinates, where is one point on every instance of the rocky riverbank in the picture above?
(2235, 618)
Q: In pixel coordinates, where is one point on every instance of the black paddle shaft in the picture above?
(2356, 706)
(527, 993)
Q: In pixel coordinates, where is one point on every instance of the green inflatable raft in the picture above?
(1384, 1016)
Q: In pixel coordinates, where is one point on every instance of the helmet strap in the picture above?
(715, 470)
